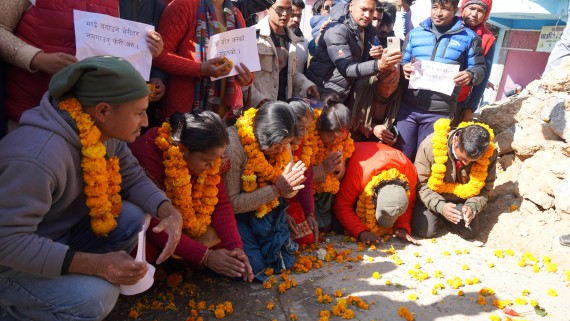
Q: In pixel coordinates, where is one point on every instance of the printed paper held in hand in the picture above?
(98, 34)
(238, 45)
(434, 76)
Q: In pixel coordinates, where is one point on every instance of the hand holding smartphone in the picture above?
(394, 44)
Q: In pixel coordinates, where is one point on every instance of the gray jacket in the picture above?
(339, 61)
(41, 189)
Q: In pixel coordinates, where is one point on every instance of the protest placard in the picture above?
(434, 76)
(238, 45)
(98, 34)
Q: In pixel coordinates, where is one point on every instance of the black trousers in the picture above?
(426, 223)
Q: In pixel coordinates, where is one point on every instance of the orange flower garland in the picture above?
(478, 172)
(101, 176)
(366, 208)
(259, 171)
(196, 202)
(331, 183)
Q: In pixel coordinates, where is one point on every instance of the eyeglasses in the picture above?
(327, 7)
(280, 10)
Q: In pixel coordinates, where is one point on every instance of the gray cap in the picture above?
(392, 202)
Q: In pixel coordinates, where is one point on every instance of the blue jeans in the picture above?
(25, 296)
(414, 126)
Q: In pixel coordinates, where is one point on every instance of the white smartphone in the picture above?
(394, 44)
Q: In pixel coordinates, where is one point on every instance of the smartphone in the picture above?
(394, 44)
(394, 132)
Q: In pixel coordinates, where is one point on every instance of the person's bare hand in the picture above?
(314, 92)
(171, 222)
(407, 69)
(451, 213)
(291, 179)
(376, 52)
(492, 86)
(384, 135)
(332, 162)
(340, 170)
(159, 90)
(389, 60)
(119, 268)
(462, 78)
(50, 63)
(155, 43)
(368, 238)
(466, 115)
(215, 68)
(244, 76)
(293, 227)
(403, 234)
(230, 263)
(468, 214)
(312, 222)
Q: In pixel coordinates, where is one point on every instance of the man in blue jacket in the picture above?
(441, 38)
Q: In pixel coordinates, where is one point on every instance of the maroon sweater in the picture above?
(223, 220)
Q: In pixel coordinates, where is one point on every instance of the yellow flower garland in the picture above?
(101, 176)
(366, 208)
(258, 170)
(478, 172)
(320, 152)
(196, 202)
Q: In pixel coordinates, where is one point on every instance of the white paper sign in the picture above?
(434, 76)
(549, 35)
(98, 34)
(238, 45)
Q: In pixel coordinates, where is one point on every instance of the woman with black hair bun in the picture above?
(334, 147)
(261, 176)
(184, 158)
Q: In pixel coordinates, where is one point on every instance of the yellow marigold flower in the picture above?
(338, 293)
(491, 265)
(533, 302)
(466, 251)
(372, 247)
(460, 293)
(514, 207)
(429, 260)
(318, 291)
(219, 313)
(525, 292)
(568, 275)
(446, 253)
(522, 262)
(416, 254)
(434, 240)
(293, 317)
(465, 267)
(268, 271)
(267, 285)
(417, 266)
(499, 253)
(486, 292)
(413, 297)
(438, 274)
(458, 252)
(388, 282)
(552, 292)
(551, 267)
(405, 313)
(509, 252)
(520, 301)
(546, 259)
(269, 306)
(494, 318)
(482, 300)
(535, 268)
(325, 313)
(376, 275)
(201, 306)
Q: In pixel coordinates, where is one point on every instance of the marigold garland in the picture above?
(322, 151)
(478, 172)
(100, 174)
(366, 208)
(259, 171)
(196, 202)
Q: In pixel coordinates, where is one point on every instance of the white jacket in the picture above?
(266, 83)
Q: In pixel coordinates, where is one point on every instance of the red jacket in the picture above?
(178, 29)
(367, 161)
(47, 25)
(223, 220)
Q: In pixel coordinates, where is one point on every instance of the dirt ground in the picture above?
(408, 277)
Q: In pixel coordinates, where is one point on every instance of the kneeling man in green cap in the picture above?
(73, 197)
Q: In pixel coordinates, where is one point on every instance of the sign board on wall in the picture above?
(549, 35)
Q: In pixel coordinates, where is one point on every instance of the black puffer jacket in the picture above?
(339, 61)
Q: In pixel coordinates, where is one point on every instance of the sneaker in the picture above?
(565, 240)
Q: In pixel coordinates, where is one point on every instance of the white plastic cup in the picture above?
(148, 280)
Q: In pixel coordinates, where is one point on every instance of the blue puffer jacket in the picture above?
(459, 45)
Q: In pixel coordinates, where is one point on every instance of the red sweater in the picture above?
(178, 30)
(368, 160)
(223, 220)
